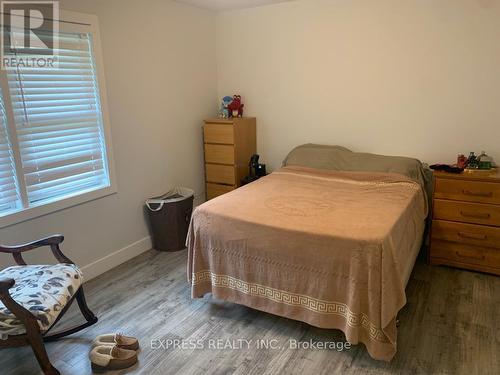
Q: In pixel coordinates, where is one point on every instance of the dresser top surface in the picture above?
(229, 121)
(492, 175)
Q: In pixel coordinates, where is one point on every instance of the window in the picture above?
(53, 143)
(9, 191)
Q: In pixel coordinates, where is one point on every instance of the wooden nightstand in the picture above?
(466, 220)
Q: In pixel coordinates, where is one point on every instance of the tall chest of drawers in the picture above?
(228, 146)
(466, 221)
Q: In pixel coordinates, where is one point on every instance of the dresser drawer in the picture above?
(214, 190)
(466, 256)
(469, 191)
(475, 213)
(218, 133)
(471, 234)
(223, 174)
(220, 154)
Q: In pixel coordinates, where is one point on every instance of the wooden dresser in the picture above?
(229, 144)
(466, 221)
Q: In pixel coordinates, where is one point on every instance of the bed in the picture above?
(329, 239)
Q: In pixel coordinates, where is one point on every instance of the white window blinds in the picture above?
(59, 123)
(9, 193)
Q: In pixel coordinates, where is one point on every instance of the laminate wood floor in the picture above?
(449, 326)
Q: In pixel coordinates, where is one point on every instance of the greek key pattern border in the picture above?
(292, 299)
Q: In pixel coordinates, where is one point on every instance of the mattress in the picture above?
(330, 248)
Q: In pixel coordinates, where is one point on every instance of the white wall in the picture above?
(160, 68)
(416, 77)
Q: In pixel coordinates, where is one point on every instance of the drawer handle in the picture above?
(482, 257)
(477, 216)
(483, 237)
(478, 193)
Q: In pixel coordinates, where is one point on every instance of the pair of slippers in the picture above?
(114, 352)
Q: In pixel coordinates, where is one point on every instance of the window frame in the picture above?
(71, 22)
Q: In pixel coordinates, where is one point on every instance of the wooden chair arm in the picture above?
(5, 285)
(52, 241)
(47, 241)
(19, 311)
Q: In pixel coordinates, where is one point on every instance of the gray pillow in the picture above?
(342, 159)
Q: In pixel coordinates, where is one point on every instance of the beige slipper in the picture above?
(112, 358)
(122, 341)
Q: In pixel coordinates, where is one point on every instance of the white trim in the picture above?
(116, 258)
(48, 208)
(103, 98)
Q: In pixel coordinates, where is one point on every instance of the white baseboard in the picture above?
(112, 260)
(118, 257)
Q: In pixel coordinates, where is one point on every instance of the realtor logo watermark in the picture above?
(29, 34)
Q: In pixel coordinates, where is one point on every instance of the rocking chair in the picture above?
(35, 298)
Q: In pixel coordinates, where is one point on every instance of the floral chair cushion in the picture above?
(44, 290)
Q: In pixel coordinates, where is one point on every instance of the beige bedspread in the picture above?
(333, 249)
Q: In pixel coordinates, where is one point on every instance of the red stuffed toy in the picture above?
(236, 107)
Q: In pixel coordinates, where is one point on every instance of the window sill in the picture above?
(51, 207)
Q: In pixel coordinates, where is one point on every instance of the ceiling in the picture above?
(218, 5)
